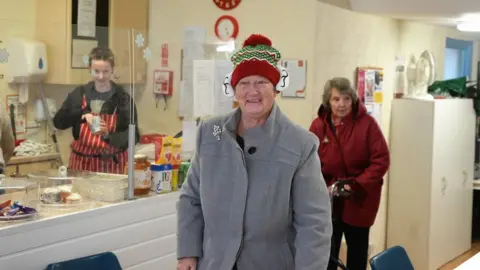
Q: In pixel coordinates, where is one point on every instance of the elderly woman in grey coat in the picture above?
(254, 197)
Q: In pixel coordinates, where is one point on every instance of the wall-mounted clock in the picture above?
(227, 4)
(226, 28)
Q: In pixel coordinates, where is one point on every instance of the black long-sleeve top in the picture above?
(70, 114)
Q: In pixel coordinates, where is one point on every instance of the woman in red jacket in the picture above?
(352, 147)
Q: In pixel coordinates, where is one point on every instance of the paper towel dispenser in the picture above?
(27, 62)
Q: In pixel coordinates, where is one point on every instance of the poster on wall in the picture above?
(297, 69)
(86, 18)
(369, 82)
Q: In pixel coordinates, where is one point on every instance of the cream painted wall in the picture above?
(17, 20)
(334, 41)
(416, 37)
(339, 3)
(14, 21)
(292, 31)
(366, 40)
(346, 40)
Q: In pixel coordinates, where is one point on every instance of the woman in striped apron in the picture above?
(104, 150)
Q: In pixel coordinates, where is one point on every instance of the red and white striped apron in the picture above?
(91, 146)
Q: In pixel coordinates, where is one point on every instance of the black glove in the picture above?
(340, 190)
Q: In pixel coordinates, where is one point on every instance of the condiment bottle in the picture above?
(142, 175)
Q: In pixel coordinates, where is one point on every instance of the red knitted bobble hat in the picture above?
(257, 57)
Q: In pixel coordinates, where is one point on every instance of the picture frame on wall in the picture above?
(297, 70)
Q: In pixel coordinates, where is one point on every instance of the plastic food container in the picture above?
(104, 187)
(57, 177)
(19, 189)
(57, 191)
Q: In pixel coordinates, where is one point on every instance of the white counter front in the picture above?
(140, 232)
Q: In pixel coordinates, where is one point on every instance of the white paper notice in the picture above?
(193, 40)
(189, 134)
(222, 103)
(203, 87)
(86, 19)
(81, 48)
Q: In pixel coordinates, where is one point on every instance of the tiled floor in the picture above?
(462, 258)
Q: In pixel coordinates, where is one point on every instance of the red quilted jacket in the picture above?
(355, 150)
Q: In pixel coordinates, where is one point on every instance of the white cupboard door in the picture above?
(411, 144)
(456, 125)
(443, 204)
(453, 153)
(462, 165)
(440, 222)
(466, 148)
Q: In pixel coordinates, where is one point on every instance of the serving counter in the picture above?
(140, 232)
(19, 165)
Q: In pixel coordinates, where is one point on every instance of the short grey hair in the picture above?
(343, 86)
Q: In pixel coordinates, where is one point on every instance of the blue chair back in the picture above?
(102, 261)
(394, 258)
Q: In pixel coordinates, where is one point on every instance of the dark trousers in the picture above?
(357, 245)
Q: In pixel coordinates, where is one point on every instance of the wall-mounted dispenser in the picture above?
(27, 64)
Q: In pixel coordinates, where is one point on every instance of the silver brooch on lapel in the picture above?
(216, 132)
(325, 139)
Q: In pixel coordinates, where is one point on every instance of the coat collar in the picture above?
(256, 134)
(358, 111)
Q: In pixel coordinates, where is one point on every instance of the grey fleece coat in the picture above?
(265, 210)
